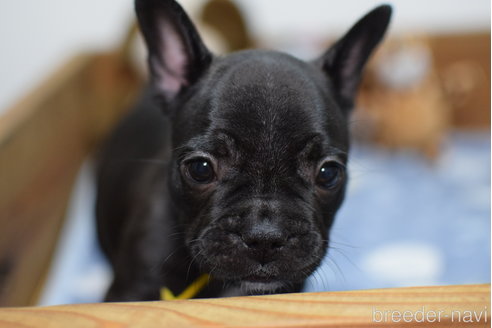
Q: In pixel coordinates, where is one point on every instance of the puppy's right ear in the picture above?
(177, 56)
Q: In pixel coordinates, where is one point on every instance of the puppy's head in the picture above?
(260, 144)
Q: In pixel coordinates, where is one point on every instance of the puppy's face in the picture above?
(262, 176)
(260, 146)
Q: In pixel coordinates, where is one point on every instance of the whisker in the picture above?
(191, 263)
(159, 266)
(332, 264)
(343, 244)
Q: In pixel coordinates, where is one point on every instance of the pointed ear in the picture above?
(177, 56)
(345, 60)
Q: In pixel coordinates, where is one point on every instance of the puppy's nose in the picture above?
(264, 237)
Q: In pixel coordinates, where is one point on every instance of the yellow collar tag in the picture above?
(190, 291)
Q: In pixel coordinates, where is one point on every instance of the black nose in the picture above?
(263, 238)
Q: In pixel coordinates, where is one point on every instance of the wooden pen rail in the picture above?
(447, 306)
(44, 140)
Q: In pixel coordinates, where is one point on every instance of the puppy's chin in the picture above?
(255, 287)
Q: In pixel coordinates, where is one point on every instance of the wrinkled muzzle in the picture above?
(261, 242)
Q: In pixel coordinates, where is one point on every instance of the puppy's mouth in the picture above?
(261, 265)
(254, 273)
(260, 278)
(261, 275)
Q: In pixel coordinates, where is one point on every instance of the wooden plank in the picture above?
(43, 141)
(467, 305)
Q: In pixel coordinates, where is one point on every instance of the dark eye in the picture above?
(201, 170)
(329, 175)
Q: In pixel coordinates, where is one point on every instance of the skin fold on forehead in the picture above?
(271, 96)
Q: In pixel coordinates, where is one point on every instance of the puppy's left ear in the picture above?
(345, 60)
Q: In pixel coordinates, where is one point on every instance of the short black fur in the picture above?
(265, 124)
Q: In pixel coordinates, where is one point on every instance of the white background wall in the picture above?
(38, 35)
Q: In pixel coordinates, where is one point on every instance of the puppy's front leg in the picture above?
(136, 273)
(139, 262)
(132, 283)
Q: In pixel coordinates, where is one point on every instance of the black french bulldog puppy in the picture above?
(242, 175)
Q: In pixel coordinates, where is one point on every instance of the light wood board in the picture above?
(466, 305)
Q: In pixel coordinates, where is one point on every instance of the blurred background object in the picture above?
(226, 18)
(418, 89)
(418, 204)
(402, 103)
